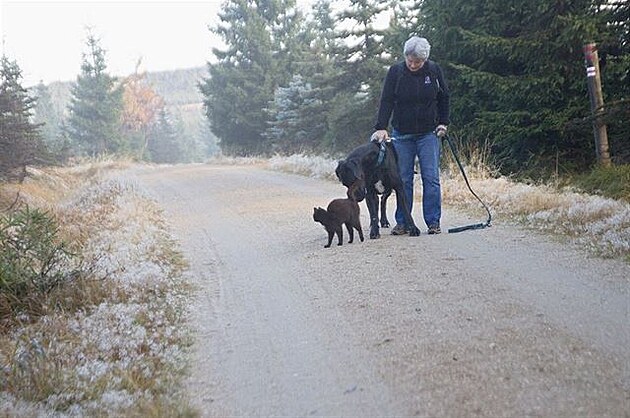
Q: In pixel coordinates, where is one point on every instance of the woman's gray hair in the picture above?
(417, 47)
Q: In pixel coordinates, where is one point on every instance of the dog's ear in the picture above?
(339, 169)
(357, 171)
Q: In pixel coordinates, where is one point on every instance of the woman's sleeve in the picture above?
(387, 100)
(443, 99)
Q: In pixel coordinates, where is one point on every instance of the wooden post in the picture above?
(591, 60)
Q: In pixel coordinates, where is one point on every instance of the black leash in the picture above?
(480, 225)
(461, 168)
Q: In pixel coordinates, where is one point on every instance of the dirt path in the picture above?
(499, 322)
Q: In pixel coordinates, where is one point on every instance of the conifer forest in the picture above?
(290, 81)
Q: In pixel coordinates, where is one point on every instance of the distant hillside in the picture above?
(177, 87)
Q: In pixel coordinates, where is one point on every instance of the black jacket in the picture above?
(419, 101)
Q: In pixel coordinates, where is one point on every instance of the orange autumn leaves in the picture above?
(141, 104)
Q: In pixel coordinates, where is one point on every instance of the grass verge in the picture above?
(113, 342)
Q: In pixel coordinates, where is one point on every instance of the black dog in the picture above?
(371, 169)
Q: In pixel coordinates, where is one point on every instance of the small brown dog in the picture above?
(339, 212)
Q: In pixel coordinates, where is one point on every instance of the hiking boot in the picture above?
(434, 229)
(399, 230)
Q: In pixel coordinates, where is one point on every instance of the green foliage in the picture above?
(33, 259)
(297, 119)
(249, 89)
(259, 57)
(515, 71)
(615, 64)
(162, 139)
(612, 182)
(95, 109)
(362, 61)
(517, 77)
(50, 118)
(20, 141)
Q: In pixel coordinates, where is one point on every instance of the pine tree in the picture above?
(20, 139)
(96, 105)
(247, 73)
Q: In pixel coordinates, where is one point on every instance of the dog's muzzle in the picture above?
(351, 176)
(357, 190)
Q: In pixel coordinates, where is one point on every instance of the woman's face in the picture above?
(414, 64)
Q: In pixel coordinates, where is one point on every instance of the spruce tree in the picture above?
(364, 64)
(297, 123)
(517, 76)
(96, 105)
(323, 73)
(247, 73)
(50, 119)
(614, 55)
(163, 145)
(20, 140)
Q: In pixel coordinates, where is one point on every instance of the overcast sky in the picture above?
(47, 38)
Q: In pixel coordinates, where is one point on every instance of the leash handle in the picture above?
(467, 227)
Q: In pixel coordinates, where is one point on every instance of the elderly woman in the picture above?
(415, 96)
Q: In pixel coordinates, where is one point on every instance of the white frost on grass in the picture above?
(313, 166)
(110, 357)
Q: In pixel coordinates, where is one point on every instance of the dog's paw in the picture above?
(414, 232)
(385, 224)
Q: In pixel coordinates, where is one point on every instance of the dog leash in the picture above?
(480, 225)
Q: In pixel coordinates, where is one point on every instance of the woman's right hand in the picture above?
(380, 136)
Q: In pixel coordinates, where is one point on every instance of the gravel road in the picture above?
(501, 322)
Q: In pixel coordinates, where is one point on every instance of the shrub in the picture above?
(33, 260)
(612, 182)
